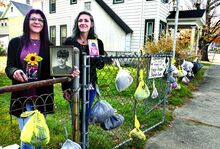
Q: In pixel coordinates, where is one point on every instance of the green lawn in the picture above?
(123, 102)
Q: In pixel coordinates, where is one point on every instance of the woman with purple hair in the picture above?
(28, 59)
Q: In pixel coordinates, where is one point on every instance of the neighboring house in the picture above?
(122, 25)
(189, 19)
(11, 21)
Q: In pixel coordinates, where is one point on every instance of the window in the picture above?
(118, 1)
(12, 9)
(164, 1)
(73, 1)
(162, 30)
(149, 30)
(87, 6)
(52, 5)
(28, 2)
(53, 34)
(63, 33)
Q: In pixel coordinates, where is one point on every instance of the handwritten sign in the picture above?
(157, 67)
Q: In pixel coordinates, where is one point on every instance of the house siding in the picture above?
(135, 12)
(107, 30)
(132, 12)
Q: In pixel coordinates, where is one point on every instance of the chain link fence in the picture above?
(150, 112)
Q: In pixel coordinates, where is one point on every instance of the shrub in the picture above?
(165, 44)
(2, 51)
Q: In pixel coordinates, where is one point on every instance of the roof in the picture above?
(114, 16)
(23, 8)
(187, 14)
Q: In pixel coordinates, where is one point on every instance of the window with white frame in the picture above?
(162, 29)
(118, 1)
(73, 1)
(164, 1)
(28, 2)
(87, 6)
(149, 30)
(52, 6)
(53, 34)
(63, 33)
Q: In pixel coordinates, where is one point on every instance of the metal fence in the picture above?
(150, 112)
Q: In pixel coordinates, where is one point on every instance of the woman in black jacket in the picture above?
(83, 33)
(28, 59)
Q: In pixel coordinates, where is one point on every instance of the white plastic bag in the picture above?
(123, 79)
(70, 145)
(154, 92)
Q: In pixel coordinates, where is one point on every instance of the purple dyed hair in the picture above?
(44, 39)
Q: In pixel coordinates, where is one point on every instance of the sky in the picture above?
(186, 4)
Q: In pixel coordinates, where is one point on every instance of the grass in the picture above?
(122, 101)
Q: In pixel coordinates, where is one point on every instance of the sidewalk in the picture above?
(196, 125)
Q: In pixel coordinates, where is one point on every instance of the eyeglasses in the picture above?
(37, 19)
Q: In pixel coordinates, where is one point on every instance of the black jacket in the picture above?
(44, 104)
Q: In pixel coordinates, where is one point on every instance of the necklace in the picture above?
(83, 42)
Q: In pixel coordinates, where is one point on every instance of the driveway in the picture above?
(196, 125)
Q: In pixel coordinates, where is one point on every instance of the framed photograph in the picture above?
(61, 60)
(93, 47)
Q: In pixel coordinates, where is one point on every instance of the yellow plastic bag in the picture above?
(142, 91)
(35, 131)
(136, 132)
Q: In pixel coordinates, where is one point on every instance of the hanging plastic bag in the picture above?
(69, 144)
(101, 111)
(185, 80)
(35, 131)
(112, 122)
(196, 67)
(142, 91)
(123, 79)
(181, 72)
(136, 132)
(154, 92)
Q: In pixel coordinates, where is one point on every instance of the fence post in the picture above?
(75, 101)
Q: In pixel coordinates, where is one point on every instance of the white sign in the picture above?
(157, 67)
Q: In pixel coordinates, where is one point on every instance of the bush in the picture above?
(165, 44)
(2, 51)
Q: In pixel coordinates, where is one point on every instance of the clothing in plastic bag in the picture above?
(136, 132)
(154, 92)
(69, 144)
(123, 79)
(101, 110)
(112, 122)
(142, 91)
(35, 131)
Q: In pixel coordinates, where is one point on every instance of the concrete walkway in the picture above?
(197, 124)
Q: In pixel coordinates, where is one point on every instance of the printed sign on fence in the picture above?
(157, 67)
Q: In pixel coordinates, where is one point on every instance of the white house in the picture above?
(122, 25)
